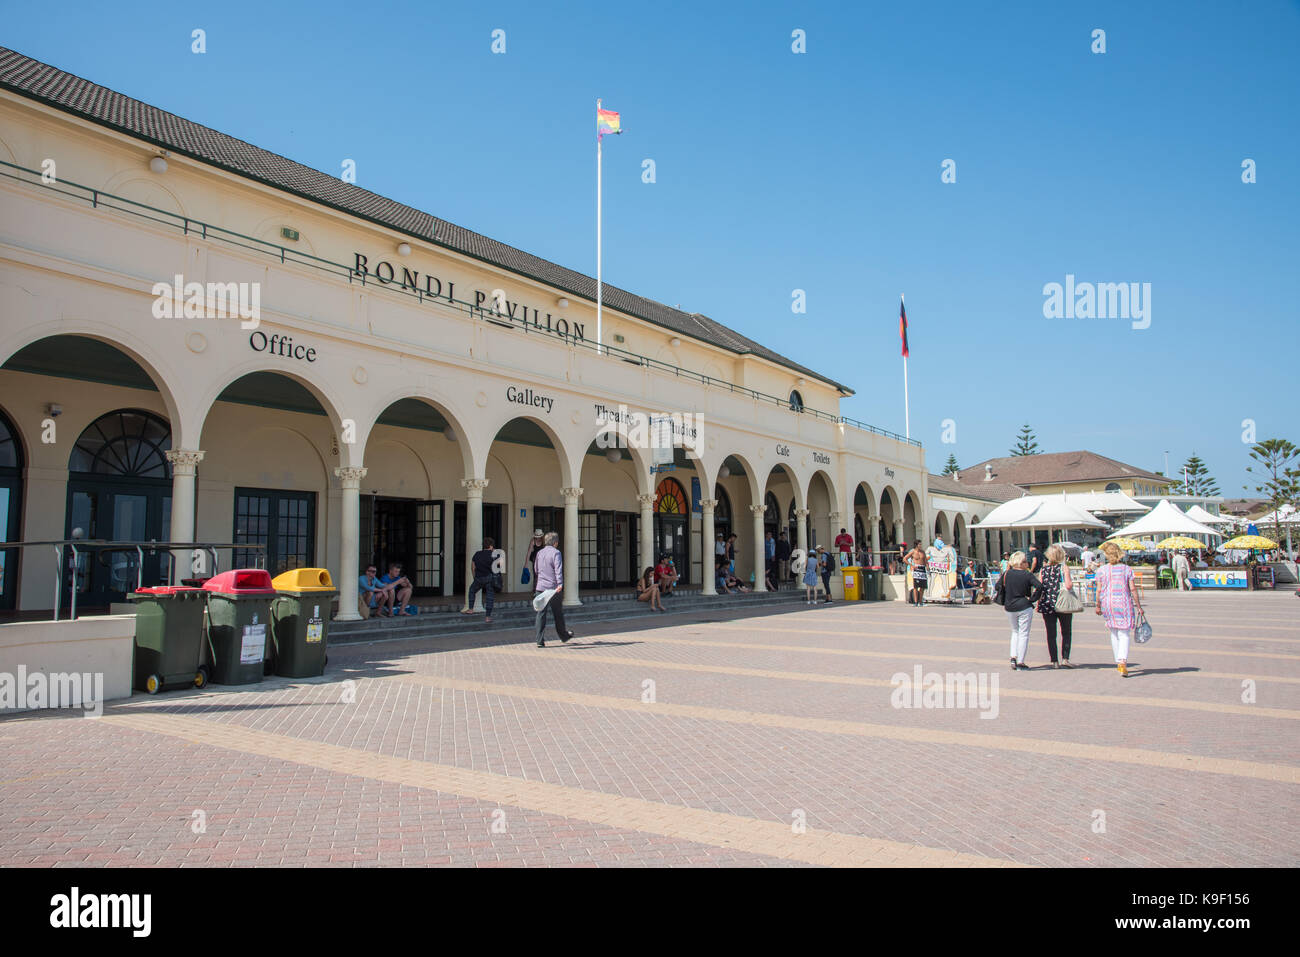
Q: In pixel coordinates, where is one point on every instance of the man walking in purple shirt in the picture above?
(550, 575)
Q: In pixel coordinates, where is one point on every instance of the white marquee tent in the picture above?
(1166, 519)
(1039, 511)
(1208, 518)
(1105, 503)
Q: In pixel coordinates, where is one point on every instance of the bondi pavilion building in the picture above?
(202, 341)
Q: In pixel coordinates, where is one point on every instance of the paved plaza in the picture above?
(776, 739)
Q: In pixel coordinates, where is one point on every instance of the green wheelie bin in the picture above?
(300, 616)
(239, 616)
(169, 638)
(873, 583)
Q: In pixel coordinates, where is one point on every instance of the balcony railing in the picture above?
(99, 199)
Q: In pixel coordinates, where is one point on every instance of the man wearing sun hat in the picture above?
(530, 560)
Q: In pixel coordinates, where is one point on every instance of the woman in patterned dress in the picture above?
(1053, 576)
(1118, 603)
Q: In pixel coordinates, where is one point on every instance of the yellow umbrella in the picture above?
(1250, 541)
(1180, 541)
(1128, 544)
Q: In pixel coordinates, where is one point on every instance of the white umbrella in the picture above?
(1166, 519)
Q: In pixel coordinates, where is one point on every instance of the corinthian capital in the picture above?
(350, 476)
(571, 495)
(183, 461)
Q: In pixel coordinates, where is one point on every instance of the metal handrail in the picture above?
(97, 199)
(102, 546)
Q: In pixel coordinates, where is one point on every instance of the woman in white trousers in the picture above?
(1021, 589)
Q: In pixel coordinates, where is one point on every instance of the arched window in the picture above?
(129, 443)
(796, 401)
(669, 498)
(1113, 487)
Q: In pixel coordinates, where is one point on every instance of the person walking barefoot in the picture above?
(1118, 603)
(920, 575)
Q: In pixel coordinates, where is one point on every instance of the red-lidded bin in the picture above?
(239, 615)
(168, 638)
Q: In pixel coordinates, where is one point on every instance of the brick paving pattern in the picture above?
(772, 740)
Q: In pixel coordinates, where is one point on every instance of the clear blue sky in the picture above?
(821, 172)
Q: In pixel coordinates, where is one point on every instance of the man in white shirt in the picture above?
(1087, 558)
(1182, 569)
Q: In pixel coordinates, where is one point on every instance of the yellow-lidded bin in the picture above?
(300, 617)
(852, 582)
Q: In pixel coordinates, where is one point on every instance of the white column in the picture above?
(801, 518)
(184, 464)
(571, 546)
(760, 556)
(899, 537)
(708, 548)
(647, 536)
(473, 525)
(349, 541)
(874, 522)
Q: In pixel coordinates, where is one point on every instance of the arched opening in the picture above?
(415, 460)
(11, 508)
(119, 489)
(264, 417)
(941, 528)
(913, 527)
(609, 520)
(65, 384)
(525, 479)
(796, 401)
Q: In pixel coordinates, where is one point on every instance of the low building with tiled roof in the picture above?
(1080, 471)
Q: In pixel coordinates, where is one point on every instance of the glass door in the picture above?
(105, 511)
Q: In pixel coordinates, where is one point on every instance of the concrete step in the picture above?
(520, 614)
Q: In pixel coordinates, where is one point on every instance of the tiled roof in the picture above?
(985, 491)
(49, 85)
(1050, 468)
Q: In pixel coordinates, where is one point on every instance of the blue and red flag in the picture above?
(902, 326)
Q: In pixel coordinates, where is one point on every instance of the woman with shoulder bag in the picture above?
(1118, 603)
(1019, 588)
(1056, 596)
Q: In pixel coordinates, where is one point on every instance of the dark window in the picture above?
(796, 401)
(285, 522)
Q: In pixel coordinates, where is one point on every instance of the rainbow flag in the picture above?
(607, 121)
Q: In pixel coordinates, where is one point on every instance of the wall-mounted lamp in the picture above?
(799, 381)
(614, 455)
(562, 303)
(674, 342)
(449, 434)
(158, 164)
(53, 410)
(403, 249)
(723, 472)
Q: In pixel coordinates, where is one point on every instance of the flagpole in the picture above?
(907, 413)
(599, 340)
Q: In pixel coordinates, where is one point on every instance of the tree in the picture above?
(1197, 480)
(1280, 478)
(1026, 442)
(951, 467)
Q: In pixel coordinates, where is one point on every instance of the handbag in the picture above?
(1000, 592)
(526, 577)
(1067, 602)
(1142, 634)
